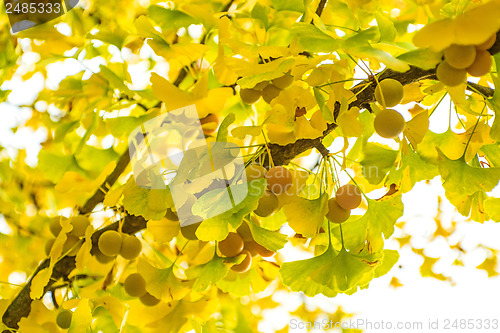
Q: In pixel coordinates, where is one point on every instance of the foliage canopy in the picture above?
(307, 71)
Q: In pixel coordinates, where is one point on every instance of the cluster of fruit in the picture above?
(389, 123)
(135, 286)
(234, 245)
(112, 243)
(71, 245)
(268, 90)
(346, 198)
(279, 180)
(462, 59)
(242, 242)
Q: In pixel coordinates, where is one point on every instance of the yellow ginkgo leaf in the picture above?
(490, 266)
(163, 230)
(39, 282)
(304, 130)
(242, 131)
(473, 27)
(172, 97)
(222, 72)
(349, 123)
(438, 35)
(416, 128)
(82, 317)
(478, 24)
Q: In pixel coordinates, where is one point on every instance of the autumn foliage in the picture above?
(333, 104)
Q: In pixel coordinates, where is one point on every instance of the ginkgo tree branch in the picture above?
(321, 7)
(98, 196)
(365, 91)
(21, 305)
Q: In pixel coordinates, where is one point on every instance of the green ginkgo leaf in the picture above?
(412, 169)
(492, 153)
(271, 240)
(469, 204)
(217, 227)
(345, 271)
(243, 284)
(162, 283)
(492, 207)
(377, 161)
(370, 229)
(210, 273)
(459, 177)
(389, 259)
(135, 201)
(296, 275)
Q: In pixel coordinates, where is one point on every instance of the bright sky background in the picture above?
(473, 295)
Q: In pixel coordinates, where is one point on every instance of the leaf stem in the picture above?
(347, 173)
(341, 235)
(179, 254)
(472, 133)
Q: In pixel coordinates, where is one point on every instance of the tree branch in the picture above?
(21, 305)
(98, 196)
(282, 155)
(321, 7)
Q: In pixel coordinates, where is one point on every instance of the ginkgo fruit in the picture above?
(55, 225)
(283, 82)
(80, 224)
(149, 300)
(245, 264)
(110, 243)
(268, 204)
(389, 123)
(279, 179)
(189, 231)
(255, 171)
(131, 247)
(63, 319)
(460, 56)
(102, 258)
(449, 75)
(261, 85)
(209, 124)
(159, 199)
(482, 64)
(348, 196)
(244, 232)
(232, 245)
(389, 92)
(256, 249)
(135, 285)
(250, 96)
(487, 44)
(72, 245)
(171, 215)
(270, 92)
(336, 213)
